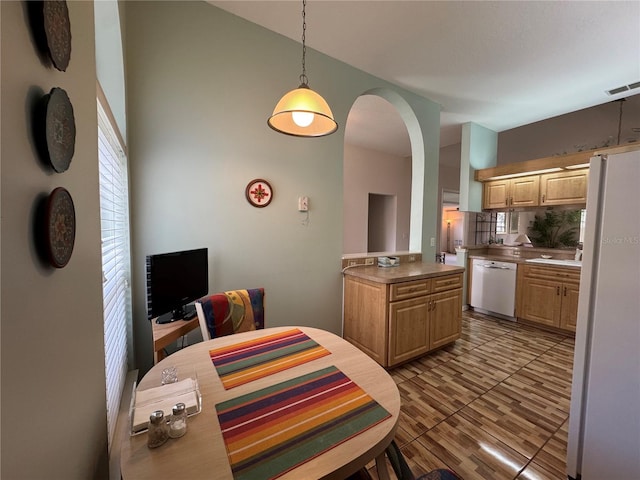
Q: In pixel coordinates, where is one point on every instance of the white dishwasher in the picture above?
(493, 287)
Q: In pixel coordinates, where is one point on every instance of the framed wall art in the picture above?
(259, 193)
(59, 227)
(57, 29)
(59, 129)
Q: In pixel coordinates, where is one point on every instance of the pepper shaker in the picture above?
(178, 423)
(158, 432)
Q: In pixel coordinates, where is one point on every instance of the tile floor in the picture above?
(494, 405)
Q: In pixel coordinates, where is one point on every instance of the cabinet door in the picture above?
(569, 310)
(564, 188)
(525, 191)
(445, 318)
(408, 329)
(541, 301)
(495, 194)
(365, 317)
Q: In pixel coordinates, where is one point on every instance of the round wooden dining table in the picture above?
(202, 454)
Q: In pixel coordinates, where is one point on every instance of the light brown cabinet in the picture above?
(397, 322)
(564, 188)
(548, 295)
(561, 188)
(513, 192)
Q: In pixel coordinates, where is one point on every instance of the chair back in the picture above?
(230, 312)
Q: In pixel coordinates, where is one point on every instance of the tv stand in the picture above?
(165, 335)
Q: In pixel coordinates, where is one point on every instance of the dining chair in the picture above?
(403, 472)
(230, 312)
(401, 468)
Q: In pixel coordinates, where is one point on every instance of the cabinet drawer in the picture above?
(552, 273)
(449, 282)
(404, 290)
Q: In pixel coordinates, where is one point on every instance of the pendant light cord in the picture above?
(303, 77)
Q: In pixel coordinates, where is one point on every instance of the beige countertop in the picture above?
(520, 260)
(520, 255)
(405, 272)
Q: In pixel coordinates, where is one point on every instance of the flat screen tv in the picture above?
(174, 280)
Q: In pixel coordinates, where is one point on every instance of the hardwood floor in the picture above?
(495, 405)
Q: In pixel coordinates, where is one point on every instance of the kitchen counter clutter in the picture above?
(400, 313)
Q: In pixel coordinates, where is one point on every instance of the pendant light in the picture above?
(302, 112)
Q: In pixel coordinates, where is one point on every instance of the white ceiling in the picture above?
(501, 64)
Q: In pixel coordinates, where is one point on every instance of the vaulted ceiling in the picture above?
(501, 64)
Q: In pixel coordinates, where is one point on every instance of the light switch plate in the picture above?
(303, 204)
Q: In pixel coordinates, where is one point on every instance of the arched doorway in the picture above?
(384, 154)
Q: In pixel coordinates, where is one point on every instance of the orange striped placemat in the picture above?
(274, 430)
(244, 362)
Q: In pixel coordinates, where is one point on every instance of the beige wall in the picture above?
(586, 129)
(368, 171)
(53, 388)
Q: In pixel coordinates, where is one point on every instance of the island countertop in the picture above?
(405, 272)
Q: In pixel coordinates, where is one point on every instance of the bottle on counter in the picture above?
(158, 432)
(178, 422)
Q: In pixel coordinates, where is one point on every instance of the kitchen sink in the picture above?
(553, 261)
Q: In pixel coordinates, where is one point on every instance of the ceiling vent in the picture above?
(624, 88)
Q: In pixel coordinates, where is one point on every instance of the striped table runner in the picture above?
(247, 361)
(273, 430)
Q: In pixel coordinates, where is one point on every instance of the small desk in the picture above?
(201, 453)
(167, 333)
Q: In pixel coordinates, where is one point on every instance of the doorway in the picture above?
(451, 225)
(385, 160)
(382, 223)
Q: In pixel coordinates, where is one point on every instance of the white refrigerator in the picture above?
(604, 422)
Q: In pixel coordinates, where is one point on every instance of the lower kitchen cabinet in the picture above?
(409, 329)
(446, 318)
(548, 296)
(395, 323)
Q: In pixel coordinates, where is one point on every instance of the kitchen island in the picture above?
(396, 314)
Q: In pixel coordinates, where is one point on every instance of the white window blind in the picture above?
(116, 291)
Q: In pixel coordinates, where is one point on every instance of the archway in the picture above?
(373, 167)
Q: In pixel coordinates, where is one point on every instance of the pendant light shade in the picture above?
(303, 112)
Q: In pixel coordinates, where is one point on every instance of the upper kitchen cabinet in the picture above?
(543, 182)
(514, 192)
(564, 188)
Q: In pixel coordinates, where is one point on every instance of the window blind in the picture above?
(116, 271)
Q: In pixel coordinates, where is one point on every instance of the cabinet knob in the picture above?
(565, 291)
(558, 290)
(543, 198)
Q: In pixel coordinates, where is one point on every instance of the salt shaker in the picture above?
(158, 432)
(178, 422)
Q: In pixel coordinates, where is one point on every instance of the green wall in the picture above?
(201, 84)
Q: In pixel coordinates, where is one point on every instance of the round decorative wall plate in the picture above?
(60, 227)
(259, 193)
(57, 29)
(60, 129)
